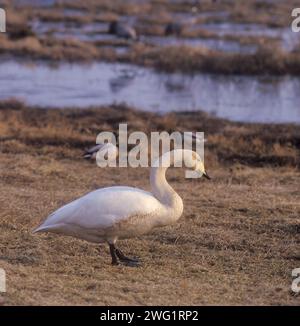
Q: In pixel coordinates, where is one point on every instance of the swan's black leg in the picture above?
(123, 258)
(114, 259)
(117, 253)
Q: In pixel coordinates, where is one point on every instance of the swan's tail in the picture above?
(47, 228)
(41, 228)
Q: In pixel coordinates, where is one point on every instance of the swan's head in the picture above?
(191, 160)
(197, 164)
(199, 167)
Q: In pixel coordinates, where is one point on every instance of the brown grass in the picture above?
(55, 50)
(267, 60)
(273, 14)
(236, 243)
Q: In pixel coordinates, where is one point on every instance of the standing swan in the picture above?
(109, 214)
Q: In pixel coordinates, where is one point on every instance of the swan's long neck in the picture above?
(170, 200)
(160, 187)
(166, 195)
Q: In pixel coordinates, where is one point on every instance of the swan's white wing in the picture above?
(103, 208)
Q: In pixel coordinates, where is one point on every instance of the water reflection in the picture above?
(288, 39)
(239, 98)
(214, 44)
(37, 3)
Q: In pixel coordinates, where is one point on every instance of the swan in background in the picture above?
(91, 153)
(119, 212)
(122, 30)
(105, 148)
(173, 28)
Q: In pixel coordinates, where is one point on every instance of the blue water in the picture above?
(39, 3)
(238, 98)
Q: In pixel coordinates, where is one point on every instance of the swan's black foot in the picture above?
(130, 263)
(122, 257)
(118, 254)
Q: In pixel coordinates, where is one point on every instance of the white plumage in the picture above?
(109, 214)
(98, 211)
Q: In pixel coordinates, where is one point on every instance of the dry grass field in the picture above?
(236, 243)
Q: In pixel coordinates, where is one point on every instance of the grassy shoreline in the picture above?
(268, 60)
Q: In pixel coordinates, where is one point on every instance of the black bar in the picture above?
(96, 315)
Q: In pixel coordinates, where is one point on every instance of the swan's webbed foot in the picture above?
(118, 254)
(122, 257)
(130, 263)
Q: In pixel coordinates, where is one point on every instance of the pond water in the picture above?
(38, 3)
(214, 44)
(191, 17)
(286, 35)
(70, 28)
(237, 98)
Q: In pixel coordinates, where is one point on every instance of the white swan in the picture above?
(109, 150)
(109, 214)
